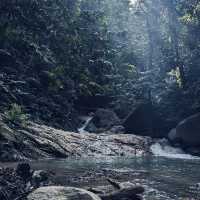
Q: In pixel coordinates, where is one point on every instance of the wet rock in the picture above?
(117, 129)
(103, 120)
(144, 121)
(173, 137)
(61, 193)
(39, 176)
(189, 131)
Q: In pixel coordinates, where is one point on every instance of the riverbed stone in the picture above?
(62, 193)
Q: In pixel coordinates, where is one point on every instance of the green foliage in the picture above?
(147, 51)
(16, 115)
(175, 73)
(56, 79)
(189, 19)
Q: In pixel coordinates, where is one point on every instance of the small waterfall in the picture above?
(82, 128)
(164, 149)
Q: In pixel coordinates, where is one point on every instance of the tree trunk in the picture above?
(173, 24)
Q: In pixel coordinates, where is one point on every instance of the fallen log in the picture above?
(128, 193)
(114, 183)
(122, 192)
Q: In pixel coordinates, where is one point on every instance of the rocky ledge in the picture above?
(39, 141)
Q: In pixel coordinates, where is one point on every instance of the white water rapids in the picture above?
(162, 148)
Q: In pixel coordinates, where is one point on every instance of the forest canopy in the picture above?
(128, 51)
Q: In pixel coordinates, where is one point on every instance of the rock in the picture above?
(39, 141)
(103, 120)
(24, 170)
(39, 176)
(189, 131)
(173, 137)
(143, 121)
(61, 193)
(117, 129)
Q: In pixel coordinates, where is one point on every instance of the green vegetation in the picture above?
(16, 115)
(147, 51)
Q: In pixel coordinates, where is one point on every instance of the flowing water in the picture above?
(87, 121)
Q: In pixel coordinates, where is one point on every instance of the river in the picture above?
(164, 178)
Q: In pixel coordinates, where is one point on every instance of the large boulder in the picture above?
(39, 142)
(189, 131)
(39, 177)
(61, 193)
(103, 120)
(144, 121)
(173, 137)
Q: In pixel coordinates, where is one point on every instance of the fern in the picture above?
(16, 115)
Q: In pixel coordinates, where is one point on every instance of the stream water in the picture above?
(163, 178)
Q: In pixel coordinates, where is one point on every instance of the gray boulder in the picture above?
(39, 177)
(173, 137)
(189, 131)
(103, 120)
(61, 193)
(144, 121)
(117, 129)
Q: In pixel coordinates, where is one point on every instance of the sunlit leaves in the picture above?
(175, 74)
